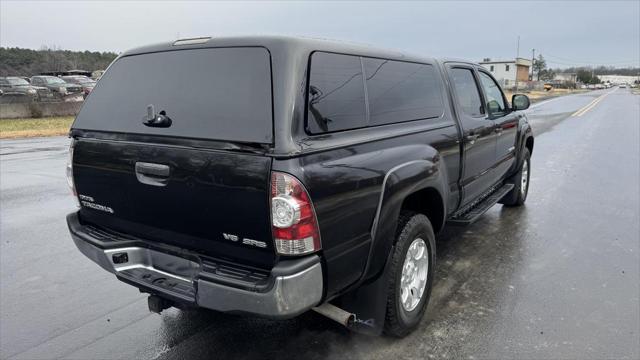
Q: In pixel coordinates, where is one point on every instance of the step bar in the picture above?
(470, 215)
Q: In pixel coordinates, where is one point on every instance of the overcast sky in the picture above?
(566, 33)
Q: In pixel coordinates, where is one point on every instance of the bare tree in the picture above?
(539, 65)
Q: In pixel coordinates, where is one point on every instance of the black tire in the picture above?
(517, 197)
(399, 322)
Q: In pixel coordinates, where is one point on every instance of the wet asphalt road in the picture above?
(558, 278)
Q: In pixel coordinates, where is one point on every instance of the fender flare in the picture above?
(368, 296)
(526, 133)
(400, 182)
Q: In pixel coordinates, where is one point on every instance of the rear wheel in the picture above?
(412, 267)
(518, 195)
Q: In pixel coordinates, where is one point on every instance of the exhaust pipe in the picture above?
(334, 313)
(157, 304)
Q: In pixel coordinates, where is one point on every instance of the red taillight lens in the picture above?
(70, 180)
(293, 219)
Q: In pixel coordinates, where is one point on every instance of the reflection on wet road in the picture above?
(558, 278)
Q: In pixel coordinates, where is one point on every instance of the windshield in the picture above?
(17, 81)
(53, 80)
(216, 93)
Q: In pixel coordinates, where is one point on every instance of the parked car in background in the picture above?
(86, 82)
(61, 89)
(96, 75)
(67, 73)
(19, 87)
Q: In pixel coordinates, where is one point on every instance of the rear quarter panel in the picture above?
(346, 187)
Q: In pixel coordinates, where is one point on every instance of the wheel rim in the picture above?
(414, 274)
(524, 180)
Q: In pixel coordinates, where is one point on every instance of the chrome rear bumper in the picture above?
(294, 286)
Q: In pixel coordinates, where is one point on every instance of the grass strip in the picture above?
(19, 128)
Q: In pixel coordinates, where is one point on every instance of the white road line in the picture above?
(553, 99)
(547, 101)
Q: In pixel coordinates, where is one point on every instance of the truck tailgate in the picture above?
(209, 201)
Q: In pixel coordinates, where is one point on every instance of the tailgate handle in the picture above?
(152, 174)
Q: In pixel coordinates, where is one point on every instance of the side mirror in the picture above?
(520, 102)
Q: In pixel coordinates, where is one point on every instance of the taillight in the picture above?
(70, 181)
(293, 218)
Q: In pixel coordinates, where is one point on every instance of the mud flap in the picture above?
(369, 302)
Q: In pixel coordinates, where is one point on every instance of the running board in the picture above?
(471, 215)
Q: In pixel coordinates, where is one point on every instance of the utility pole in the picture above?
(517, 55)
(533, 59)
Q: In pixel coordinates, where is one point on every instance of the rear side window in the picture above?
(215, 93)
(401, 91)
(396, 92)
(466, 90)
(336, 93)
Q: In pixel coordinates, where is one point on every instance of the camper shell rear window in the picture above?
(211, 93)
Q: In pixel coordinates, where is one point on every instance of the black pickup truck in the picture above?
(271, 176)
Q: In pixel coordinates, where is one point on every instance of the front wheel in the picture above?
(518, 195)
(411, 276)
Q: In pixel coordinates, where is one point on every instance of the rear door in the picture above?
(479, 137)
(199, 181)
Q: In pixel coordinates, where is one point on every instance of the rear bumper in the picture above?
(291, 288)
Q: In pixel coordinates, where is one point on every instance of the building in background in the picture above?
(563, 80)
(566, 77)
(507, 72)
(619, 79)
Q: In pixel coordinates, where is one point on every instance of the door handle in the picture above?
(498, 130)
(152, 174)
(471, 139)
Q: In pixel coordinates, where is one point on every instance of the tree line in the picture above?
(603, 70)
(586, 75)
(27, 62)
